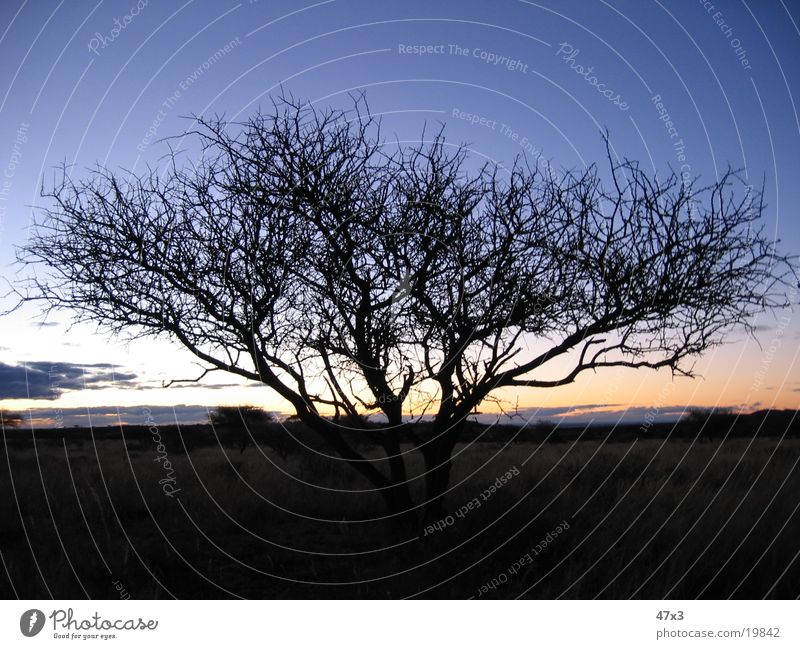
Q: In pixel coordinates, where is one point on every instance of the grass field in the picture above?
(646, 519)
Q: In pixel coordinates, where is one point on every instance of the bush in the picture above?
(709, 423)
(238, 426)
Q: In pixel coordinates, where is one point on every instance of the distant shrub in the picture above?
(238, 426)
(545, 426)
(709, 422)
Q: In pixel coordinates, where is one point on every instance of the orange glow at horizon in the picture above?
(744, 373)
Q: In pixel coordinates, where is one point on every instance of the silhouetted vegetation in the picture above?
(649, 518)
(241, 425)
(305, 253)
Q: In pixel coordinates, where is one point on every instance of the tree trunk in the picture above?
(403, 515)
(394, 490)
(437, 470)
(437, 478)
(398, 495)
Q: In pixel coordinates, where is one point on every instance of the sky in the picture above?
(694, 86)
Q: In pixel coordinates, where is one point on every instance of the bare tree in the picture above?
(237, 425)
(241, 425)
(355, 277)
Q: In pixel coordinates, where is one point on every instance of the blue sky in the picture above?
(86, 82)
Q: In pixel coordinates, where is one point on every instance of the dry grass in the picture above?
(651, 519)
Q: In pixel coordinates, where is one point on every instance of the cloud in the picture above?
(205, 386)
(592, 413)
(50, 379)
(219, 386)
(114, 415)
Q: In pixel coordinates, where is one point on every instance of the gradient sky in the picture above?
(76, 88)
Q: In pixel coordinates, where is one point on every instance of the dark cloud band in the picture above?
(48, 380)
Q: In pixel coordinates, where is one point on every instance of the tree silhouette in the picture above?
(355, 277)
(241, 425)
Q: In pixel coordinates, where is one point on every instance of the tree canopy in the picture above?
(355, 276)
